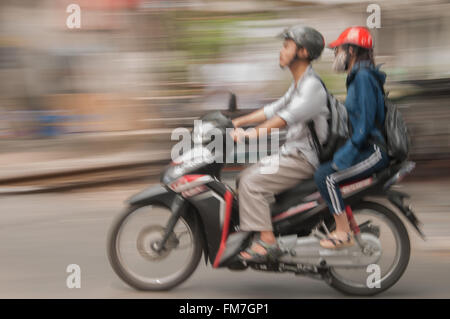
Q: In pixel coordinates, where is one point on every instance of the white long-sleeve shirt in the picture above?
(300, 104)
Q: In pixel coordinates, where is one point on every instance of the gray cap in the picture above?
(306, 37)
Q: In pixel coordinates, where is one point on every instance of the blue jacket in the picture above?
(365, 105)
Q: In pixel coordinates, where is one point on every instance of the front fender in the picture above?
(153, 195)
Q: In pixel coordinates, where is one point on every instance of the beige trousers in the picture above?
(256, 190)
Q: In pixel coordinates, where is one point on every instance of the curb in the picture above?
(80, 171)
(53, 180)
(27, 190)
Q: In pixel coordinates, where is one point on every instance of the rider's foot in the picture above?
(261, 251)
(338, 239)
(257, 248)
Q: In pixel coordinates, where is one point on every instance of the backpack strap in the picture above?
(381, 85)
(380, 127)
(312, 126)
(316, 142)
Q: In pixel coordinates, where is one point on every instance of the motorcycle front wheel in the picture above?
(396, 249)
(132, 253)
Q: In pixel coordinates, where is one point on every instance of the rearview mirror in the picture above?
(232, 105)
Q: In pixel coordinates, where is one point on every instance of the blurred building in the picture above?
(133, 62)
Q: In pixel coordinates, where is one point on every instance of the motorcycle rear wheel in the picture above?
(403, 251)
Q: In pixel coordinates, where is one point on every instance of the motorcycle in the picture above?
(158, 241)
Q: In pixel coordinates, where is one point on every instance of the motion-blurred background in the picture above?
(136, 66)
(103, 100)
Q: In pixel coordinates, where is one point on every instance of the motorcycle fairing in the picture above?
(151, 195)
(218, 211)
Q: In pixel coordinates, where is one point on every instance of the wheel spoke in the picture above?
(181, 234)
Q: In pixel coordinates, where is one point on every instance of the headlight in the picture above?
(189, 161)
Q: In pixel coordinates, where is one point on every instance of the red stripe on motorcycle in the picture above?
(351, 219)
(228, 204)
(353, 186)
(295, 210)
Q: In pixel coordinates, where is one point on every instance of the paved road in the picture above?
(41, 234)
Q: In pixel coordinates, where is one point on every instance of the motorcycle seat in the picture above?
(301, 189)
(308, 186)
(296, 194)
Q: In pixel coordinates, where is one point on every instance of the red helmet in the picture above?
(359, 36)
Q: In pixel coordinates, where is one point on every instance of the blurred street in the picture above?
(42, 234)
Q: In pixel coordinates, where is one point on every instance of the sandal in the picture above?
(272, 252)
(332, 241)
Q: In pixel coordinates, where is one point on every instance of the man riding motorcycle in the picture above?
(305, 100)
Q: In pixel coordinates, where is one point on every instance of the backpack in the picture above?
(394, 130)
(339, 128)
